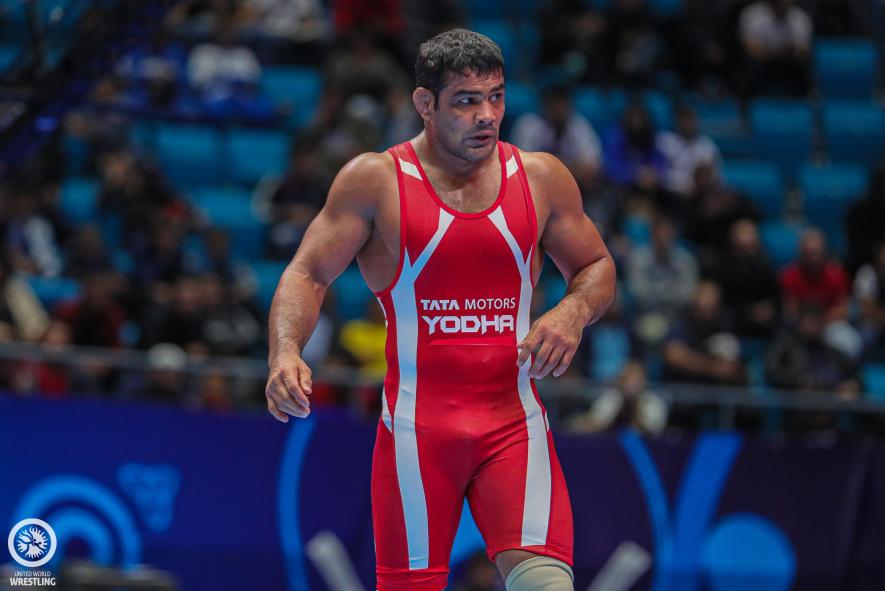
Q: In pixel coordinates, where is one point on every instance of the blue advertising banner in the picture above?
(245, 502)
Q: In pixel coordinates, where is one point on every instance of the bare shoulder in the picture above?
(364, 181)
(553, 186)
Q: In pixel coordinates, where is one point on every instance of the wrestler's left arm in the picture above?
(575, 246)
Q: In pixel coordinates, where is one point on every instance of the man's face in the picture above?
(469, 113)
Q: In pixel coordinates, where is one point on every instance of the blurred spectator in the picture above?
(636, 46)
(137, 194)
(154, 71)
(711, 209)
(701, 346)
(228, 328)
(686, 149)
(841, 18)
(22, 317)
(608, 345)
(700, 44)
(49, 378)
(31, 238)
(365, 339)
(216, 259)
(403, 122)
(362, 67)
(290, 22)
(631, 152)
(86, 254)
(815, 278)
(101, 124)
(296, 201)
(160, 264)
(749, 283)
(562, 131)
(179, 322)
(869, 290)
(627, 403)
(661, 278)
(573, 38)
(166, 380)
(342, 130)
(227, 76)
(865, 221)
(96, 318)
(479, 575)
(800, 357)
(776, 37)
(214, 392)
(382, 17)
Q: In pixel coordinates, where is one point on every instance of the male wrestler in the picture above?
(449, 230)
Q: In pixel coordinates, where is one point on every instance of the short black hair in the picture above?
(458, 51)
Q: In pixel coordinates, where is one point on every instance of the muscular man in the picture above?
(449, 230)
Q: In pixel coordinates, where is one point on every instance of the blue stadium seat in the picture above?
(593, 104)
(488, 9)
(501, 33)
(78, 200)
(828, 191)
(660, 109)
(759, 181)
(854, 131)
(874, 380)
(232, 210)
(782, 130)
(666, 8)
(297, 88)
(256, 153)
(191, 156)
(52, 290)
(781, 241)
(8, 54)
(267, 276)
(351, 294)
(846, 68)
(520, 99)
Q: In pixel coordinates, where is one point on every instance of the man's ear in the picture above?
(424, 102)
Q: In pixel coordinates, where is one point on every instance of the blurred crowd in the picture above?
(699, 298)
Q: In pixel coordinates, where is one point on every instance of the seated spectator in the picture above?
(154, 71)
(214, 392)
(701, 346)
(228, 328)
(362, 67)
(749, 283)
(573, 37)
(711, 209)
(776, 38)
(869, 291)
(216, 259)
(165, 379)
(631, 152)
(86, 254)
(179, 322)
(96, 317)
(295, 202)
(635, 44)
(22, 317)
(30, 236)
(227, 76)
(402, 122)
(627, 403)
(816, 278)
(686, 149)
(661, 278)
(563, 132)
(801, 358)
(865, 221)
(289, 22)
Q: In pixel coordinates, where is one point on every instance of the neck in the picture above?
(459, 170)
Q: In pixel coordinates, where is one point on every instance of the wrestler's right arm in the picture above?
(331, 242)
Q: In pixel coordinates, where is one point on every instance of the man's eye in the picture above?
(497, 96)
(465, 101)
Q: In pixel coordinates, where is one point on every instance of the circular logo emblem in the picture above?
(32, 542)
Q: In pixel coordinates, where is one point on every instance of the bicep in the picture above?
(570, 237)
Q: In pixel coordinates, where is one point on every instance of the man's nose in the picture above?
(485, 115)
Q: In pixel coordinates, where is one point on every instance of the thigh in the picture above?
(519, 500)
(416, 506)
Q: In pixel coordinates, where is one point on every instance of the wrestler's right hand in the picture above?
(288, 387)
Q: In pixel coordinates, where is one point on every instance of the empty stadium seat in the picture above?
(519, 100)
(351, 294)
(783, 130)
(854, 131)
(759, 181)
(190, 155)
(267, 276)
(52, 290)
(592, 103)
(299, 89)
(78, 200)
(232, 210)
(828, 191)
(501, 33)
(256, 153)
(846, 68)
(781, 241)
(874, 380)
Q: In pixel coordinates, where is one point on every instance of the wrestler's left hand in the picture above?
(553, 339)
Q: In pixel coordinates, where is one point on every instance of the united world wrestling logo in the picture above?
(32, 542)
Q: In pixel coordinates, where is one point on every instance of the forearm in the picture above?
(591, 291)
(294, 310)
